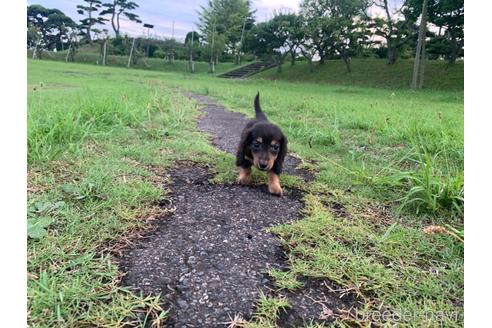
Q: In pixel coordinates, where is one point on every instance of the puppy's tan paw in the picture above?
(275, 189)
(244, 176)
(274, 184)
(242, 179)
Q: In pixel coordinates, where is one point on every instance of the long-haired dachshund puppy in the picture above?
(263, 145)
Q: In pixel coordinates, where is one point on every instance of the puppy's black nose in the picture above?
(263, 165)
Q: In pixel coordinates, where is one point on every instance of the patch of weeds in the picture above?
(267, 311)
(92, 184)
(285, 279)
(399, 268)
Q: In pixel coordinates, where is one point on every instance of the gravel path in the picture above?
(208, 260)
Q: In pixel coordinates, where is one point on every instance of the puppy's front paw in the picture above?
(244, 176)
(275, 189)
(243, 179)
(274, 184)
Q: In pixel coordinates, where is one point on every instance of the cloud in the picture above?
(265, 8)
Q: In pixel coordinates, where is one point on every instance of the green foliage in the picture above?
(117, 8)
(93, 187)
(395, 266)
(89, 11)
(223, 21)
(36, 227)
(333, 28)
(48, 28)
(93, 134)
(371, 72)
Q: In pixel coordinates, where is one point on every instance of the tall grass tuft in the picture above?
(431, 189)
(427, 186)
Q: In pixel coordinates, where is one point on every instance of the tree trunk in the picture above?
(68, 52)
(348, 63)
(278, 62)
(89, 25)
(105, 52)
(311, 65)
(131, 53)
(112, 17)
(422, 66)
(391, 55)
(237, 60)
(417, 80)
(117, 31)
(454, 52)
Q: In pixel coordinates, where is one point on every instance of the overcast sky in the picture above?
(162, 13)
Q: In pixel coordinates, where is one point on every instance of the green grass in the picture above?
(393, 159)
(397, 147)
(154, 64)
(372, 73)
(93, 136)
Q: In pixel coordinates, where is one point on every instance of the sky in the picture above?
(184, 13)
(162, 13)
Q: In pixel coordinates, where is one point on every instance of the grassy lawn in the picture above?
(154, 64)
(391, 160)
(372, 73)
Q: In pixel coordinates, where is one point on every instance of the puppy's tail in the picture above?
(259, 113)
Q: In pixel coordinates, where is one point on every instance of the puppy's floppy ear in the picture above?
(243, 149)
(279, 161)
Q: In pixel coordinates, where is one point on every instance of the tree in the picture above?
(448, 15)
(48, 28)
(118, 8)
(223, 21)
(289, 27)
(419, 63)
(89, 11)
(265, 40)
(397, 26)
(333, 27)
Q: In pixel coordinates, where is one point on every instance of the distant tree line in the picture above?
(323, 29)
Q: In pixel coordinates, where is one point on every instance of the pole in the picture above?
(68, 52)
(420, 51)
(172, 52)
(212, 65)
(238, 55)
(131, 53)
(192, 66)
(104, 51)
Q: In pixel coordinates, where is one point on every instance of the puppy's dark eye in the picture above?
(274, 147)
(256, 145)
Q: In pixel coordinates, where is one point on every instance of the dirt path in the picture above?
(208, 259)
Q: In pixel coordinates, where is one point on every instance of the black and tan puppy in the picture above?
(263, 145)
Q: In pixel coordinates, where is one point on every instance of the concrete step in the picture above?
(247, 70)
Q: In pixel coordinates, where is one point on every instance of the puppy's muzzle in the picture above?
(262, 165)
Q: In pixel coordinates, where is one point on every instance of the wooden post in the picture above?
(238, 54)
(35, 51)
(211, 66)
(131, 53)
(104, 51)
(422, 65)
(417, 79)
(68, 52)
(192, 65)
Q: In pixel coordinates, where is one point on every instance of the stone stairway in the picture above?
(247, 70)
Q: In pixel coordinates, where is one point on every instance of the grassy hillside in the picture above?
(89, 56)
(372, 73)
(391, 160)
